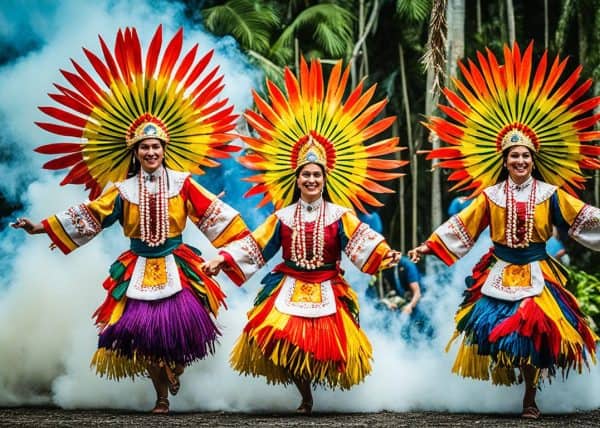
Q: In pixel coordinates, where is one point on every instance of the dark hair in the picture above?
(296, 194)
(134, 165)
(504, 173)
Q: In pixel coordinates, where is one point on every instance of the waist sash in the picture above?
(521, 256)
(140, 248)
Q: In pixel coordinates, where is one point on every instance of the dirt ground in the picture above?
(53, 417)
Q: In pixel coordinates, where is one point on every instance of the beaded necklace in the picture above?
(154, 211)
(299, 254)
(519, 237)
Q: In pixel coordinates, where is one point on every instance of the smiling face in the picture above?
(519, 163)
(150, 153)
(310, 181)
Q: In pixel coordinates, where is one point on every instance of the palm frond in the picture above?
(414, 10)
(332, 26)
(250, 23)
(435, 55)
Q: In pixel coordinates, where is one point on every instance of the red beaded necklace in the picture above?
(154, 211)
(299, 253)
(519, 235)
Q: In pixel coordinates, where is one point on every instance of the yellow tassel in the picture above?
(113, 366)
(469, 363)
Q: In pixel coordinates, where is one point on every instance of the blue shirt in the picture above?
(401, 275)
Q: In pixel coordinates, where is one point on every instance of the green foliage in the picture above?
(251, 23)
(586, 289)
(328, 26)
(413, 10)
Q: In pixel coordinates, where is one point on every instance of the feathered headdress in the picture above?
(500, 106)
(135, 98)
(309, 123)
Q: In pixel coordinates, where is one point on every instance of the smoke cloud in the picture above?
(46, 299)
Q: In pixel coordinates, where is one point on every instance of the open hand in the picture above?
(27, 225)
(416, 253)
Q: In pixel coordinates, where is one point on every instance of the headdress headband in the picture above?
(310, 123)
(501, 106)
(135, 98)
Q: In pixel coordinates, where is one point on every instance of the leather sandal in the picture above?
(161, 406)
(173, 378)
(305, 408)
(531, 412)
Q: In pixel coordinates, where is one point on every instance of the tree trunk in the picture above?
(510, 17)
(455, 16)
(546, 24)
(401, 222)
(411, 149)
(361, 38)
(478, 13)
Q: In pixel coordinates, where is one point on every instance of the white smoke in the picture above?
(46, 299)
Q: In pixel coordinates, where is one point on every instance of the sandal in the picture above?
(531, 412)
(305, 408)
(173, 378)
(161, 406)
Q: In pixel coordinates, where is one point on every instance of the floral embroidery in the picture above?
(360, 241)
(83, 221)
(460, 231)
(212, 216)
(588, 219)
(249, 247)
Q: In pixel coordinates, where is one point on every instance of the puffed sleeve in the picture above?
(247, 255)
(580, 220)
(454, 238)
(219, 222)
(365, 248)
(79, 224)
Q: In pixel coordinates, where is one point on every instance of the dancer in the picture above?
(517, 317)
(303, 328)
(144, 134)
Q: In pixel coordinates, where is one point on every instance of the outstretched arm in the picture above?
(416, 253)
(28, 226)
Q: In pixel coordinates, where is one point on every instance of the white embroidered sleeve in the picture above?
(216, 218)
(79, 223)
(247, 255)
(586, 227)
(455, 236)
(361, 245)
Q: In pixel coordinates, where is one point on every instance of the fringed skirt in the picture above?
(547, 331)
(176, 330)
(331, 350)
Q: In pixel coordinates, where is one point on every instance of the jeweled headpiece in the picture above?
(311, 124)
(311, 151)
(134, 98)
(145, 127)
(501, 106)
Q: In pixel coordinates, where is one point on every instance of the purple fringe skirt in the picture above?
(177, 329)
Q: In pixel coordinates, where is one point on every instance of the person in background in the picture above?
(555, 248)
